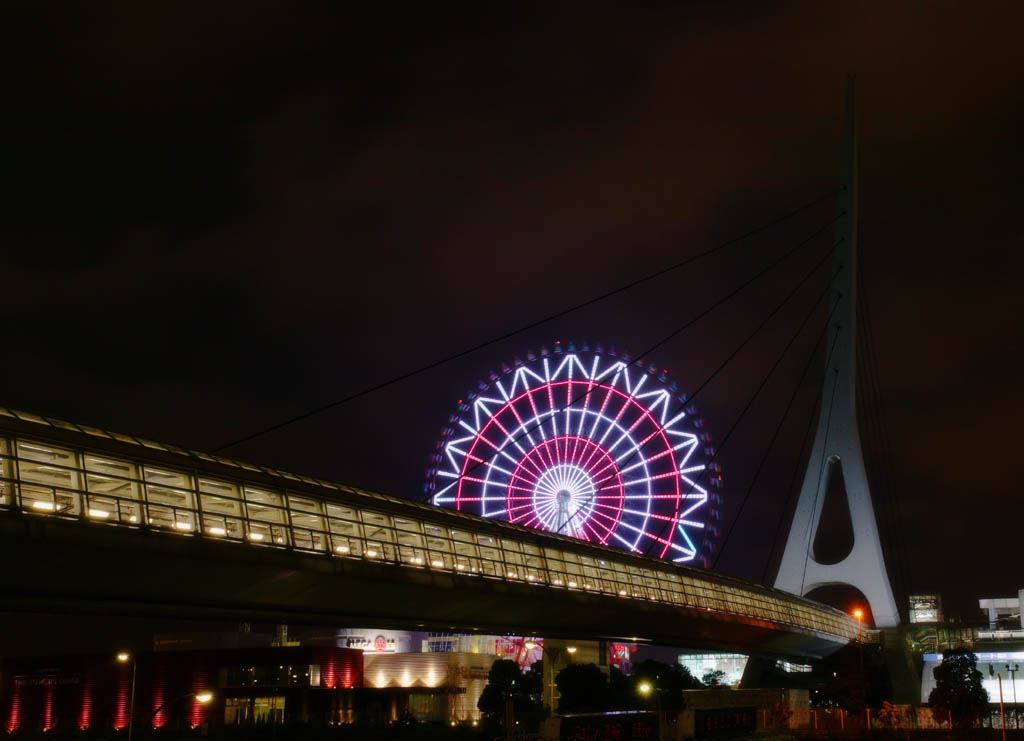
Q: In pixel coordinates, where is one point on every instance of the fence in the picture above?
(897, 716)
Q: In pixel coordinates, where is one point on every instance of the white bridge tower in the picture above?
(836, 458)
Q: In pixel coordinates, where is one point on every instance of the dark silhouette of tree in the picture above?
(583, 688)
(533, 678)
(667, 684)
(713, 678)
(958, 693)
(853, 679)
(505, 682)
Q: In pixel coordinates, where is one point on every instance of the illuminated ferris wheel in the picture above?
(584, 443)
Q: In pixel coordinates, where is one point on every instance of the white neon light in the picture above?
(581, 437)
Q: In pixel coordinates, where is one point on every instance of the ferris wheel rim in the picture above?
(472, 445)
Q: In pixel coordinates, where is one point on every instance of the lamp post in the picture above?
(1002, 714)
(124, 657)
(549, 656)
(201, 697)
(1013, 669)
(859, 614)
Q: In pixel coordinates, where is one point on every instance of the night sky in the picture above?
(221, 215)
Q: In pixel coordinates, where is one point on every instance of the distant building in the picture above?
(524, 650)
(731, 664)
(925, 608)
(1003, 612)
(994, 666)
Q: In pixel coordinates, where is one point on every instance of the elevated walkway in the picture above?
(109, 523)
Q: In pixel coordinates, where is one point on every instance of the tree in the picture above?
(582, 688)
(853, 678)
(505, 682)
(667, 682)
(713, 678)
(958, 694)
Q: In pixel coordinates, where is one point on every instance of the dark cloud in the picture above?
(220, 215)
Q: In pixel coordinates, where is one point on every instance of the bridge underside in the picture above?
(53, 565)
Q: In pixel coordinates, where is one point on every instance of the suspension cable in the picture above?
(792, 479)
(686, 325)
(752, 399)
(600, 485)
(778, 429)
(531, 325)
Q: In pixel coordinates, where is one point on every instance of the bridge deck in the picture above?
(87, 484)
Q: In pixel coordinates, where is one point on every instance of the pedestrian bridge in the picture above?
(96, 521)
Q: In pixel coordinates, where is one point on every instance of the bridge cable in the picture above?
(531, 325)
(756, 393)
(796, 469)
(767, 268)
(896, 501)
(778, 429)
(874, 461)
(689, 399)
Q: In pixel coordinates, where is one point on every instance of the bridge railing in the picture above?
(50, 480)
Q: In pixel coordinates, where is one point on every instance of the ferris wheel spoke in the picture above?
(509, 437)
(600, 431)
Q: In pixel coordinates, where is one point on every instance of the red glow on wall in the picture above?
(200, 683)
(48, 706)
(14, 716)
(85, 707)
(329, 672)
(121, 701)
(159, 697)
(339, 670)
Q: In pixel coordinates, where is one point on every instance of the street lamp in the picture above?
(646, 689)
(124, 657)
(859, 614)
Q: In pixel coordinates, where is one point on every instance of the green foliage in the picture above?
(958, 692)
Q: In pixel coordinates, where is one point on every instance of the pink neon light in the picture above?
(613, 440)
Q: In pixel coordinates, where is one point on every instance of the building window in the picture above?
(239, 711)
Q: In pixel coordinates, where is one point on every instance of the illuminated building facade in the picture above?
(430, 686)
(522, 650)
(1005, 667)
(249, 686)
(732, 665)
(925, 608)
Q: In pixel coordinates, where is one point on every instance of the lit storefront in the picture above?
(732, 666)
(1005, 667)
(429, 686)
